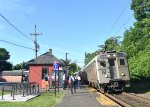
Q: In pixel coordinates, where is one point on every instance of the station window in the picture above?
(122, 62)
(44, 72)
(103, 63)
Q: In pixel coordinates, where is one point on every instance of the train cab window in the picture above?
(122, 62)
(103, 63)
(112, 62)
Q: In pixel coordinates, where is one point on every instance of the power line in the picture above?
(17, 45)
(29, 18)
(118, 18)
(10, 14)
(15, 27)
(123, 25)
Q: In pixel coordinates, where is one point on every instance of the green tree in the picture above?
(73, 68)
(89, 57)
(112, 43)
(136, 42)
(141, 9)
(4, 56)
(19, 66)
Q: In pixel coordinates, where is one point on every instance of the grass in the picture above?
(46, 99)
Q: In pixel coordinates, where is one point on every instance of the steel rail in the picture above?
(118, 101)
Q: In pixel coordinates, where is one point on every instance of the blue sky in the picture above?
(72, 26)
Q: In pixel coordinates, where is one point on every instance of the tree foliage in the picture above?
(89, 57)
(141, 9)
(112, 43)
(73, 68)
(21, 66)
(4, 56)
(136, 42)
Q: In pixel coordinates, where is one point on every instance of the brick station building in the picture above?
(43, 65)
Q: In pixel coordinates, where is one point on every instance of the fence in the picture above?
(20, 88)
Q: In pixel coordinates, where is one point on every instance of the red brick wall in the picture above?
(35, 73)
(50, 74)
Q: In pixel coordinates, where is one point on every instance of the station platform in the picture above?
(82, 98)
(17, 98)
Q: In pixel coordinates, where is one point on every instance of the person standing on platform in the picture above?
(72, 84)
(79, 81)
(47, 82)
(64, 81)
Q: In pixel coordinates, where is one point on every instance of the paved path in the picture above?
(83, 98)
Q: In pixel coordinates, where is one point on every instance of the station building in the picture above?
(42, 66)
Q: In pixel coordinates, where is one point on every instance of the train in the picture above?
(108, 72)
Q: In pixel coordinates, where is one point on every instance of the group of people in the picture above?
(71, 81)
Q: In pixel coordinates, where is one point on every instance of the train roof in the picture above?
(105, 55)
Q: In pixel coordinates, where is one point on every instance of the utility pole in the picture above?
(22, 72)
(35, 41)
(66, 64)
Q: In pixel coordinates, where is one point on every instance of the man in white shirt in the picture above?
(64, 81)
(79, 81)
(72, 85)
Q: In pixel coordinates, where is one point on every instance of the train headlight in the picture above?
(123, 74)
(108, 55)
(106, 76)
(114, 55)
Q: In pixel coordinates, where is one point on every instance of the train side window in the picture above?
(103, 63)
(122, 62)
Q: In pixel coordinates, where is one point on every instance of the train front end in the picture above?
(115, 73)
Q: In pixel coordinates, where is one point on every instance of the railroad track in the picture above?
(129, 100)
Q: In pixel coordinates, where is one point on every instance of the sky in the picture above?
(67, 26)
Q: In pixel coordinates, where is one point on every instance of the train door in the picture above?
(123, 68)
(112, 68)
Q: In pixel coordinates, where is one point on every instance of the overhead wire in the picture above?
(123, 25)
(118, 18)
(11, 15)
(15, 27)
(30, 19)
(17, 45)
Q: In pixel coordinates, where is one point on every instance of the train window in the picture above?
(112, 62)
(103, 63)
(122, 62)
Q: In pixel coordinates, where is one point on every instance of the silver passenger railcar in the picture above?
(108, 71)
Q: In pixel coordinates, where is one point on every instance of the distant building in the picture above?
(14, 76)
(43, 65)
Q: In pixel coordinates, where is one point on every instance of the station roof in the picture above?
(45, 59)
(14, 73)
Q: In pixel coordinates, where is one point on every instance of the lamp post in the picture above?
(76, 64)
(66, 64)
